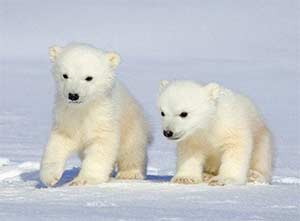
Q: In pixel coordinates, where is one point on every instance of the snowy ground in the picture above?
(249, 46)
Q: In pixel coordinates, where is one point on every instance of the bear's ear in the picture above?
(113, 59)
(213, 90)
(54, 51)
(163, 84)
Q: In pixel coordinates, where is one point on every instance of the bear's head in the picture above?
(186, 106)
(82, 72)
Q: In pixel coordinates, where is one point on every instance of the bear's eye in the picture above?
(183, 114)
(65, 76)
(89, 78)
(162, 114)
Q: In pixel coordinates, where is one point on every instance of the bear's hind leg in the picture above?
(261, 162)
(132, 158)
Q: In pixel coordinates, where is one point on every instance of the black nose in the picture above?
(73, 97)
(168, 133)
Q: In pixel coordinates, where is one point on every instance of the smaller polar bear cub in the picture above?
(96, 117)
(221, 137)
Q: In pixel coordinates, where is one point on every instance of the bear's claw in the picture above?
(186, 180)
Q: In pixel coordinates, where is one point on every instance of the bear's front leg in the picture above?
(54, 158)
(189, 165)
(235, 162)
(98, 162)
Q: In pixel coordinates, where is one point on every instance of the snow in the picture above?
(3, 161)
(249, 46)
(23, 197)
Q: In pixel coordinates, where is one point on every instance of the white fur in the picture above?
(104, 126)
(223, 134)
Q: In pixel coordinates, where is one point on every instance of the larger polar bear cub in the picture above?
(218, 132)
(96, 117)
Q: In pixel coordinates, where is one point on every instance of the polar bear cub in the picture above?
(96, 117)
(220, 136)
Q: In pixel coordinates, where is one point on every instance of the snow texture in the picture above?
(250, 46)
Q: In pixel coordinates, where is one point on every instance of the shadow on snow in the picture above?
(70, 174)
